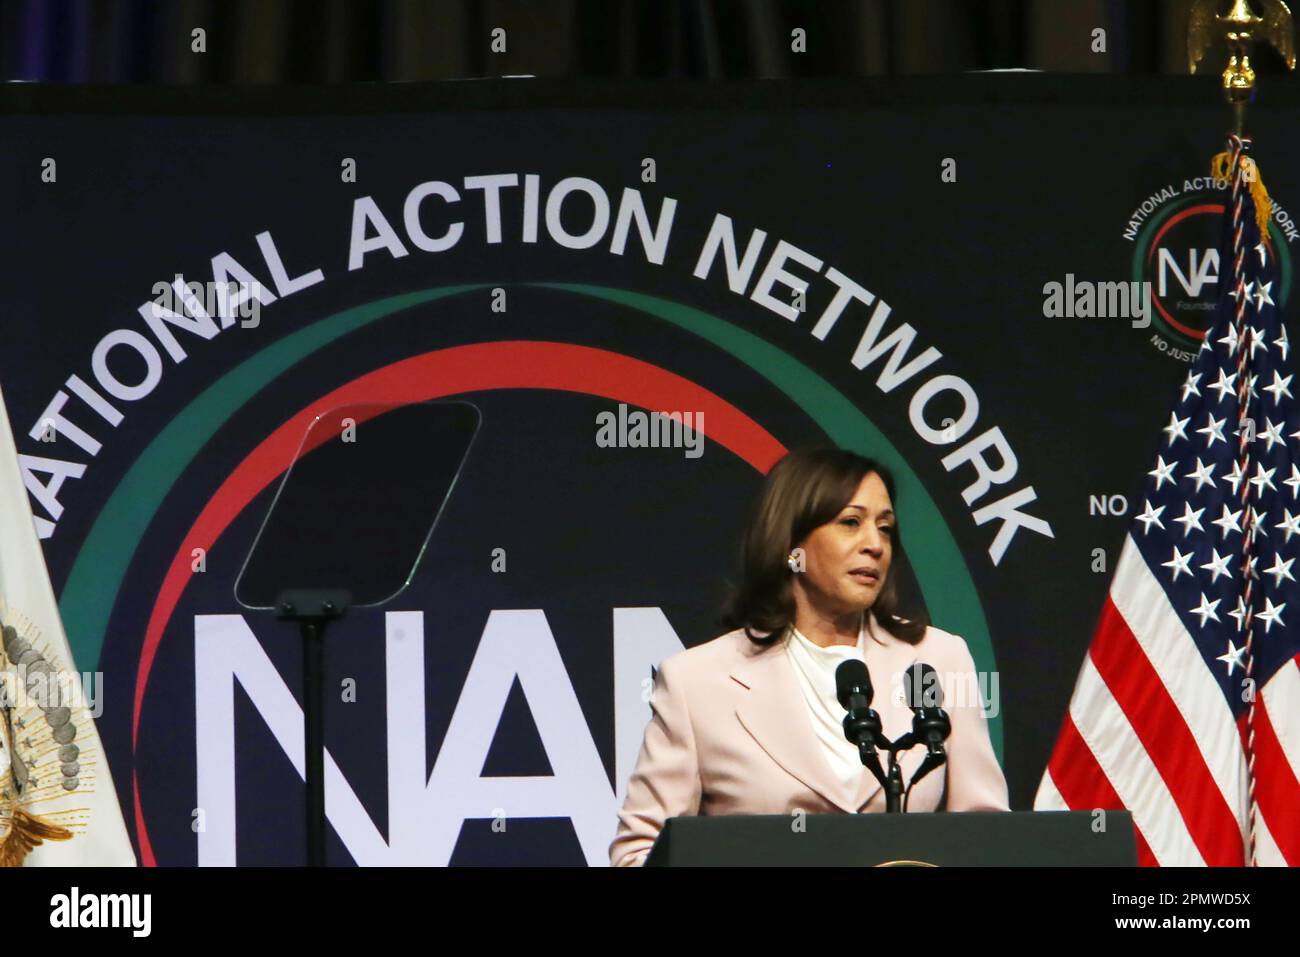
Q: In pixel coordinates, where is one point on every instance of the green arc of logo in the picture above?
(99, 568)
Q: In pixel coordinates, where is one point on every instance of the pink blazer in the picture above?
(730, 733)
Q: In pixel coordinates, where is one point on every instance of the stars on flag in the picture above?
(1271, 615)
(1164, 472)
(1218, 565)
(1190, 520)
(1203, 474)
(1279, 387)
(1221, 473)
(1233, 656)
(1228, 520)
(1206, 608)
(1290, 524)
(1150, 516)
(1213, 429)
(1176, 428)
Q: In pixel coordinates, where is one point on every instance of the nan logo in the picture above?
(1175, 234)
(102, 910)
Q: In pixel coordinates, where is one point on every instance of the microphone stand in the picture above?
(894, 784)
(862, 726)
(892, 781)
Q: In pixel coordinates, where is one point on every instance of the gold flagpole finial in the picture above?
(1240, 29)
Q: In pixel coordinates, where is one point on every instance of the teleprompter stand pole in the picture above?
(313, 609)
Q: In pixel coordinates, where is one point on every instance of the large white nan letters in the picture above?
(425, 816)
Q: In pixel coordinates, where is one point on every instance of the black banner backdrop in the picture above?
(558, 254)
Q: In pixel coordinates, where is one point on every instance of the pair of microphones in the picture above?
(862, 726)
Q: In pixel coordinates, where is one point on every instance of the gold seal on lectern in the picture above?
(905, 864)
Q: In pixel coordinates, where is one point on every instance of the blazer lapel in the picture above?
(775, 714)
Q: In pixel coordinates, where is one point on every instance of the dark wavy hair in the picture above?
(803, 491)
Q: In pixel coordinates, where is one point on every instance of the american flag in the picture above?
(1187, 708)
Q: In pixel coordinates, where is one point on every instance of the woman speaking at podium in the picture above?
(750, 722)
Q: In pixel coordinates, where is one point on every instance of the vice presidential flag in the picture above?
(1187, 709)
(57, 803)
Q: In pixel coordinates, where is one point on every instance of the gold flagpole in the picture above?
(1240, 29)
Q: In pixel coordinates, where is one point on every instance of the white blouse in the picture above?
(814, 668)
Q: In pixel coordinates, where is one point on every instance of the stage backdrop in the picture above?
(869, 264)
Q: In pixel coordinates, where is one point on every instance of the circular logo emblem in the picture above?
(1177, 252)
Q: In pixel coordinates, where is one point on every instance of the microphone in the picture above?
(853, 684)
(853, 688)
(930, 723)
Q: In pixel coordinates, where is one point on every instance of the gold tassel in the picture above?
(1221, 168)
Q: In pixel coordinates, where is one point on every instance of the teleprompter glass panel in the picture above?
(358, 505)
